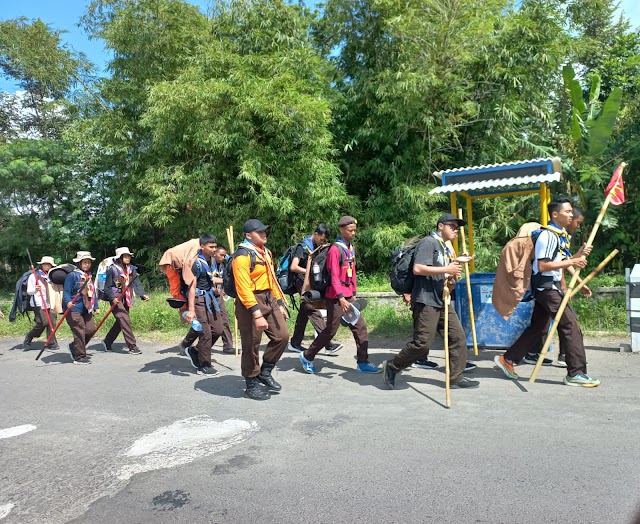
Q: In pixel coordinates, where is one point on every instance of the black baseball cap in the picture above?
(448, 217)
(254, 225)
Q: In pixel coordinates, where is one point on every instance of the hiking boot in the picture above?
(331, 349)
(307, 365)
(209, 371)
(469, 366)
(505, 366)
(229, 351)
(82, 361)
(389, 374)
(581, 380)
(366, 367)
(296, 347)
(265, 378)
(532, 358)
(254, 391)
(106, 346)
(135, 350)
(423, 363)
(26, 343)
(193, 357)
(561, 363)
(52, 347)
(465, 383)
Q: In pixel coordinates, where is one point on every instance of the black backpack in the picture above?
(286, 277)
(320, 278)
(228, 280)
(401, 275)
(21, 301)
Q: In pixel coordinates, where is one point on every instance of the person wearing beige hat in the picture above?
(121, 277)
(80, 317)
(39, 288)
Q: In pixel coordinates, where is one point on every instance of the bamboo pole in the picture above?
(446, 297)
(597, 270)
(469, 293)
(235, 317)
(572, 284)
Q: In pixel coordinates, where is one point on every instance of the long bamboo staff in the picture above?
(64, 315)
(44, 303)
(597, 270)
(469, 294)
(446, 298)
(235, 317)
(572, 284)
(115, 303)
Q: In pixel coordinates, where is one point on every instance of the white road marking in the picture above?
(15, 431)
(5, 509)
(183, 442)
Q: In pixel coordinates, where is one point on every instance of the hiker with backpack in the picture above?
(121, 277)
(219, 268)
(260, 306)
(197, 275)
(551, 257)
(306, 313)
(80, 316)
(339, 297)
(434, 267)
(39, 289)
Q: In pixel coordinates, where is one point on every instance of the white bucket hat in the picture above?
(81, 255)
(46, 260)
(123, 251)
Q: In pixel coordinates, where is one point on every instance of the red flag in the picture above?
(616, 187)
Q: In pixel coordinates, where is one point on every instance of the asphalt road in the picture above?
(136, 439)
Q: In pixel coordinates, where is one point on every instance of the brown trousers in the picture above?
(571, 344)
(211, 330)
(250, 337)
(359, 331)
(427, 321)
(41, 323)
(83, 328)
(227, 337)
(305, 314)
(122, 323)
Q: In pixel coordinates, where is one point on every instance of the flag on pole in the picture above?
(616, 187)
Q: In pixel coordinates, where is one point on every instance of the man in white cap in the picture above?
(39, 288)
(80, 317)
(121, 277)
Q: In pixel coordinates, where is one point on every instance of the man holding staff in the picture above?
(434, 261)
(552, 256)
(39, 289)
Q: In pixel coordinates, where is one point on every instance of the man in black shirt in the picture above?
(433, 263)
(308, 312)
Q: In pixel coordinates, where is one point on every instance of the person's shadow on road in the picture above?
(177, 366)
(222, 385)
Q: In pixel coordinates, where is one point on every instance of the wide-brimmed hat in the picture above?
(47, 260)
(123, 251)
(81, 255)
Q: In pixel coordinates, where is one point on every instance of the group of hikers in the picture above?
(203, 275)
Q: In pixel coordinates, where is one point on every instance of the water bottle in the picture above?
(316, 273)
(194, 323)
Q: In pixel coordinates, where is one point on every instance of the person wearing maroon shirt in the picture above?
(341, 265)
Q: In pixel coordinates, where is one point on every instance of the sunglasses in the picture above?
(454, 227)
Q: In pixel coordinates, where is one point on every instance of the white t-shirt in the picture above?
(36, 300)
(547, 248)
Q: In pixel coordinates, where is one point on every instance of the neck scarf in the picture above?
(89, 291)
(448, 253)
(122, 282)
(564, 239)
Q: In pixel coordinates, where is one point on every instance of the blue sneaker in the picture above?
(366, 367)
(307, 365)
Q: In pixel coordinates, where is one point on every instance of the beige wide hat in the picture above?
(46, 260)
(81, 255)
(123, 251)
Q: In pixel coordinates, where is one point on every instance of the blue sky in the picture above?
(64, 15)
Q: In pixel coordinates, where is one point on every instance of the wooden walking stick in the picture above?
(469, 294)
(235, 317)
(115, 303)
(44, 303)
(64, 315)
(574, 278)
(446, 298)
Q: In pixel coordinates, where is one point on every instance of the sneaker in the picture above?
(584, 381)
(307, 365)
(532, 358)
(389, 374)
(26, 344)
(106, 346)
(331, 349)
(470, 366)
(423, 363)
(229, 351)
(367, 367)
(209, 371)
(82, 361)
(193, 357)
(561, 363)
(465, 383)
(506, 367)
(296, 347)
(135, 350)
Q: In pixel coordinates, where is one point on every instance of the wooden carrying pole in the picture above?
(572, 284)
(235, 317)
(446, 298)
(469, 294)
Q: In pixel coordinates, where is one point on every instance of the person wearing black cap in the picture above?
(260, 307)
(340, 295)
(433, 263)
